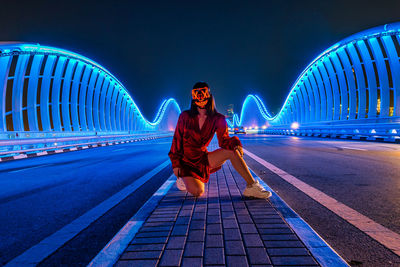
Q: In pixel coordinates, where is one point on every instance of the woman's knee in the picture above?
(230, 153)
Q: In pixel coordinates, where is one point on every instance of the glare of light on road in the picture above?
(295, 125)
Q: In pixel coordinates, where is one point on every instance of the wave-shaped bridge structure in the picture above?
(350, 89)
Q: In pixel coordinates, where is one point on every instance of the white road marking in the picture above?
(354, 148)
(383, 235)
(29, 168)
(20, 156)
(46, 247)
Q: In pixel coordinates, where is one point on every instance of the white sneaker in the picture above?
(180, 184)
(256, 190)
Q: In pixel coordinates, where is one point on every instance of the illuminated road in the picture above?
(364, 176)
(41, 195)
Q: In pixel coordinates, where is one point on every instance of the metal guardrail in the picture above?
(15, 146)
(389, 132)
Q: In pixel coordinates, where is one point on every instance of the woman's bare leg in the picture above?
(217, 157)
(194, 186)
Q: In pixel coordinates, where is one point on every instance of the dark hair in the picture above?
(200, 85)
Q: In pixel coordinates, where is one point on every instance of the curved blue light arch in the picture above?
(355, 81)
(54, 90)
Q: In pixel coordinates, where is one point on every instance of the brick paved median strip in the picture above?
(219, 228)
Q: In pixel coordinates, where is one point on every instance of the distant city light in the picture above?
(295, 125)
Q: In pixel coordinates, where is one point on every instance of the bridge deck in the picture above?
(219, 228)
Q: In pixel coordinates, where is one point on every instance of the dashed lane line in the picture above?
(354, 148)
(383, 235)
(46, 247)
(30, 168)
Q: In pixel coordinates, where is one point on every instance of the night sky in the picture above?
(159, 49)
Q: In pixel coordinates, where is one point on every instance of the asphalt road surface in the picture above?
(41, 195)
(365, 176)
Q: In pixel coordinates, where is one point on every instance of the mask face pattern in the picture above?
(201, 96)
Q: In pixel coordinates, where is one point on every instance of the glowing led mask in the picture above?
(201, 96)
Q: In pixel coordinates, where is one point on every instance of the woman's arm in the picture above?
(224, 140)
(176, 152)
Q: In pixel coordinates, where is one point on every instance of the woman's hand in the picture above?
(240, 150)
(177, 172)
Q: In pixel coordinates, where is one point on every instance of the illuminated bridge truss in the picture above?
(49, 90)
(351, 88)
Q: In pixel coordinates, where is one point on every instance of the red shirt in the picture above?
(189, 145)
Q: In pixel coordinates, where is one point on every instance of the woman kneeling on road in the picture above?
(191, 162)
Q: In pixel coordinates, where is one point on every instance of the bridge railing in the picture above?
(26, 144)
(352, 89)
(61, 99)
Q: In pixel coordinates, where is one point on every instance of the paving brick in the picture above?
(214, 256)
(213, 219)
(141, 263)
(283, 244)
(248, 228)
(288, 252)
(214, 241)
(196, 235)
(297, 260)
(156, 224)
(230, 223)
(171, 257)
(192, 262)
(267, 220)
(244, 219)
(197, 225)
(279, 237)
(232, 234)
(199, 216)
(176, 242)
(185, 213)
(252, 240)
(258, 256)
(155, 228)
(234, 248)
(226, 207)
(152, 234)
(167, 219)
(272, 231)
(141, 255)
(194, 249)
(214, 229)
(213, 209)
(180, 230)
(150, 240)
(236, 261)
(145, 247)
(182, 220)
(228, 215)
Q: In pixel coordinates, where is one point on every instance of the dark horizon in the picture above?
(159, 50)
